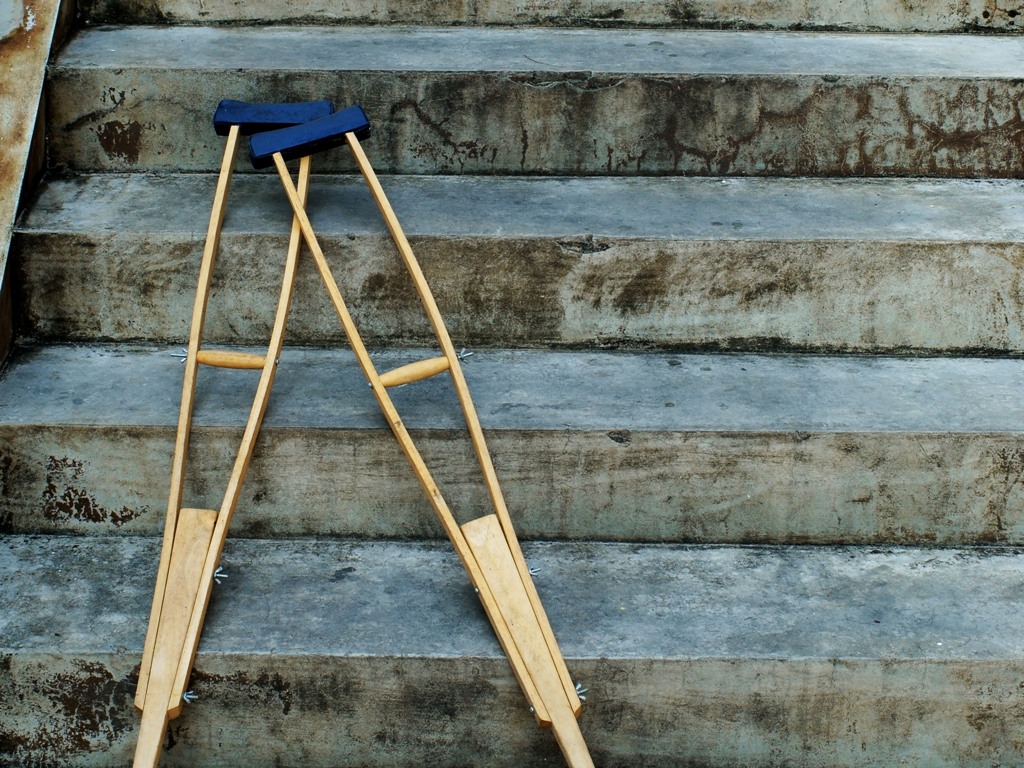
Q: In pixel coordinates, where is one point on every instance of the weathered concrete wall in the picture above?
(561, 102)
(315, 713)
(617, 485)
(594, 446)
(26, 34)
(931, 15)
(581, 291)
(594, 124)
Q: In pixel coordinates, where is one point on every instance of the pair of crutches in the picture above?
(194, 539)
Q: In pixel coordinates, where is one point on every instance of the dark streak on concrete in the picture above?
(259, 690)
(121, 141)
(75, 503)
(6, 513)
(88, 710)
(1006, 481)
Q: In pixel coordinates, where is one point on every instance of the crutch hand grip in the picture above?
(254, 118)
(308, 138)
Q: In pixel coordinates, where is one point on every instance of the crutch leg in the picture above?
(487, 547)
(195, 538)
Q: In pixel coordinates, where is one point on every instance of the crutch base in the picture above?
(192, 537)
(532, 659)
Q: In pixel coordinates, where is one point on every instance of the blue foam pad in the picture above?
(254, 118)
(308, 138)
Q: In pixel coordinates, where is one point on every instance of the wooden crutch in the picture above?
(487, 546)
(194, 538)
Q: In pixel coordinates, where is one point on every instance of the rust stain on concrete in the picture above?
(121, 141)
(64, 500)
(81, 710)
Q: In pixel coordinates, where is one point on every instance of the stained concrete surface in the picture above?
(883, 265)
(573, 102)
(26, 34)
(396, 599)
(933, 15)
(899, 647)
(644, 447)
(654, 208)
(424, 49)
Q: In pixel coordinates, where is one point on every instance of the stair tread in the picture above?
(534, 390)
(686, 208)
(531, 49)
(605, 600)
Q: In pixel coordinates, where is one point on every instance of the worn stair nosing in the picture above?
(534, 390)
(854, 265)
(472, 49)
(605, 600)
(722, 209)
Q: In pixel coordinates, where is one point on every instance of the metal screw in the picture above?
(219, 574)
(183, 355)
(581, 692)
(189, 696)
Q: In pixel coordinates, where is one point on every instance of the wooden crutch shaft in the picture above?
(486, 540)
(178, 598)
(469, 409)
(524, 655)
(163, 702)
(408, 447)
(247, 445)
(211, 554)
(187, 396)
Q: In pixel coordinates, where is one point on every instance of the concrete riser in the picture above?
(330, 712)
(564, 122)
(935, 15)
(871, 297)
(784, 487)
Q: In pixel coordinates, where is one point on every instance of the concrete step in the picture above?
(870, 265)
(532, 100)
(342, 653)
(592, 446)
(929, 16)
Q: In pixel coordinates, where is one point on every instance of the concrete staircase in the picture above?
(746, 313)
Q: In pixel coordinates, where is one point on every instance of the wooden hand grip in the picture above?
(421, 369)
(222, 358)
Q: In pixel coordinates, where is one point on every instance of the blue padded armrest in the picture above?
(308, 138)
(254, 118)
